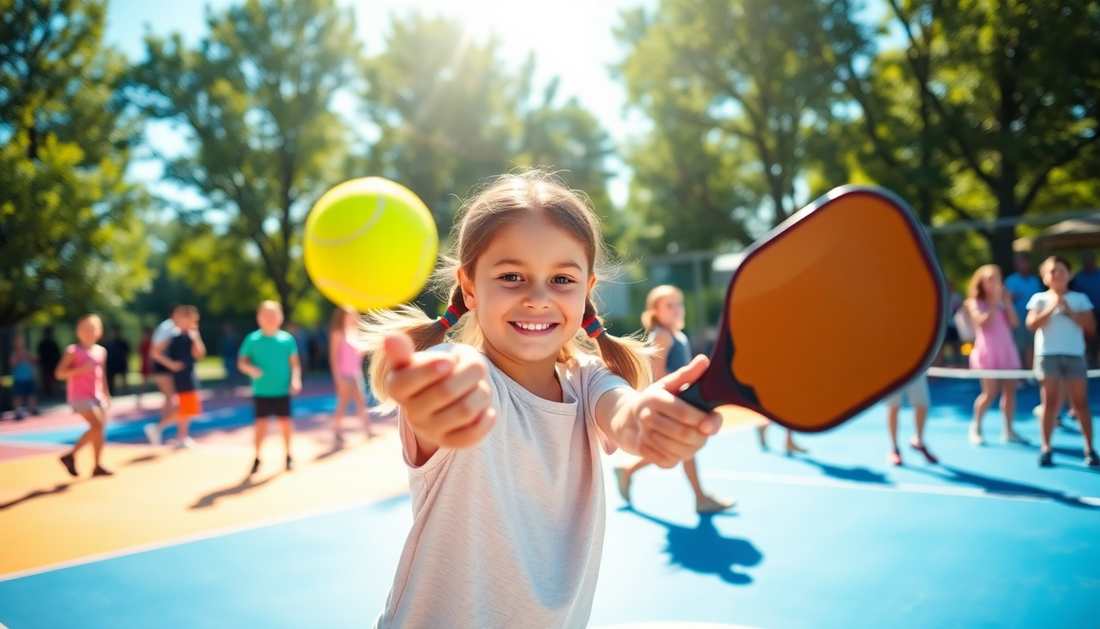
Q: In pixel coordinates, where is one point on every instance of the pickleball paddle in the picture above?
(834, 309)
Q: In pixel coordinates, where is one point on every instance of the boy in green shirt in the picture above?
(270, 357)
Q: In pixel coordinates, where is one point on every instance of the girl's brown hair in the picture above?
(975, 291)
(506, 199)
(649, 317)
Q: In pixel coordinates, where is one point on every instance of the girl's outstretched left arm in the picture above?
(655, 423)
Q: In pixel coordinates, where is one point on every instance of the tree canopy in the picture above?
(71, 235)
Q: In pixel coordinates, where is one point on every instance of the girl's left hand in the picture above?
(669, 429)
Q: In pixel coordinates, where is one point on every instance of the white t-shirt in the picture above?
(166, 331)
(1060, 335)
(509, 533)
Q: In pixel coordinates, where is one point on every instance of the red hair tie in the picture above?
(592, 327)
(449, 318)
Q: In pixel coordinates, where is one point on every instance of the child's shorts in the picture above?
(1060, 367)
(916, 392)
(79, 406)
(23, 387)
(267, 406)
(189, 403)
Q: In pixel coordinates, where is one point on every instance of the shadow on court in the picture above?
(245, 485)
(1002, 487)
(857, 474)
(704, 550)
(59, 488)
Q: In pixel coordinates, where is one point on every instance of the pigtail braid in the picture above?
(425, 332)
(628, 357)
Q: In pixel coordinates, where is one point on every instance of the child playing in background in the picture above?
(917, 394)
(346, 362)
(991, 312)
(1061, 319)
(144, 346)
(790, 446)
(182, 351)
(663, 320)
(502, 431)
(270, 357)
(83, 365)
(22, 379)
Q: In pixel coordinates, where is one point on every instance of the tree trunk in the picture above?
(1000, 240)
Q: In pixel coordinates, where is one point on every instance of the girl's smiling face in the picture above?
(528, 291)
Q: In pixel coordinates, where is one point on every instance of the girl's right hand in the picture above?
(446, 396)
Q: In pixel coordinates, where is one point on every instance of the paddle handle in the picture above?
(694, 395)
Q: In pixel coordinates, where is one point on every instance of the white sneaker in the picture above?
(976, 437)
(1012, 437)
(152, 433)
(187, 443)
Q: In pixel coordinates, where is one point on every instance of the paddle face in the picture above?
(834, 309)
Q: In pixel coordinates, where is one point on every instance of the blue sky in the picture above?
(571, 39)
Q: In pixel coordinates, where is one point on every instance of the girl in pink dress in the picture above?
(347, 370)
(82, 365)
(993, 316)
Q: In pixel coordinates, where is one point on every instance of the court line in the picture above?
(991, 374)
(905, 488)
(195, 537)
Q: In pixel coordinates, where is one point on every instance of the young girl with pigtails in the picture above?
(504, 405)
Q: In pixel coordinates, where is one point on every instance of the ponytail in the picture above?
(424, 331)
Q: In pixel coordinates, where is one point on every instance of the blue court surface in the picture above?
(834, 538)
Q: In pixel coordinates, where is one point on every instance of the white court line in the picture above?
(908, 488)
(194, 537)
(991, 374)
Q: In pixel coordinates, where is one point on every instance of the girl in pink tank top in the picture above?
(347, 370)
(82, 365)
(993, 316)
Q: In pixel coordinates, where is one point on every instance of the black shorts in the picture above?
(267, 406)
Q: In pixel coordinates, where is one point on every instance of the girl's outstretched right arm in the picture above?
(445, 396)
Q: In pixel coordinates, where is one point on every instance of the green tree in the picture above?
(71, 239)
(735, 95)
(438, 99)
(1004, 99)
(256, 100)
(451, 114)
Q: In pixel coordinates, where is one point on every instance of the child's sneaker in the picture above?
(289, 463)
(894, 458)
(975, 436)
(153, 434)
(1012, 437)
(99, 471)
(187, 443)
(1091, 460)
(713, 505)
(1046, 458)
(923, 449)
(255, 467)
(69, 463)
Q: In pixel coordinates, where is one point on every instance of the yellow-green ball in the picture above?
(370, 243)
